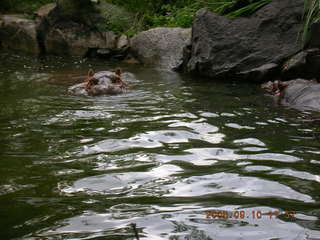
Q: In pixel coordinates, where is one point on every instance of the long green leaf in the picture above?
(249, 9)
(311, 15)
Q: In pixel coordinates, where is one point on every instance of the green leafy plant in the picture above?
(249, 9)
(22, 6)
(234, 8)
(117, 23)
(176, 16)
(151, 13)
(311, 15)
(172, 16)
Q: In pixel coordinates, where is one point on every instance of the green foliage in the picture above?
(236, 8)
(180, 13)
(175, 16)
(147, 14)
(311, 15)
(116, 23)
(172, 16)
(249, 9)
(22, 6)
(117, 19)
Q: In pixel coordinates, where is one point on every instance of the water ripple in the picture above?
(228, 182)
(161, 156)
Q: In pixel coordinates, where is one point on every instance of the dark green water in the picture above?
(158, 156)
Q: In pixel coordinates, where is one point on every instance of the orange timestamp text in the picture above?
(242, 214)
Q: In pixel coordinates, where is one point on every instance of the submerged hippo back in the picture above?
(303, 95)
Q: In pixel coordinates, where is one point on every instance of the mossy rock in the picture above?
(19, 33)
(101, 15)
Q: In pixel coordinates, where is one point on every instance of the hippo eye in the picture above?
(94, 81)
(115, 79)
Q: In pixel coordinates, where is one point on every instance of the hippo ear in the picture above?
(90, 73)
(118, 71)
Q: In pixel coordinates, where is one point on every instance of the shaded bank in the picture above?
(258, 47)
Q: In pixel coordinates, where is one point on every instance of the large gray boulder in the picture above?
(82, 11)
(68, 27)
(79, 28)
(77, 40)
(162, 47)
(305, 64)
(231, 48)
(96, 14)
(19, 33)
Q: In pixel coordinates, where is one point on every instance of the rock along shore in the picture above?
(261, 47)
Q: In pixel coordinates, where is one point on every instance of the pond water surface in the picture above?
(179, 156)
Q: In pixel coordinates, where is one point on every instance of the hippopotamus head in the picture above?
(100, 83)
(105, 82)
(104, 77)
(298, 93)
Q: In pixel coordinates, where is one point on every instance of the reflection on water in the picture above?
(159, 156)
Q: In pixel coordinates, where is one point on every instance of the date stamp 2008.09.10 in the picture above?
(242, 214)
